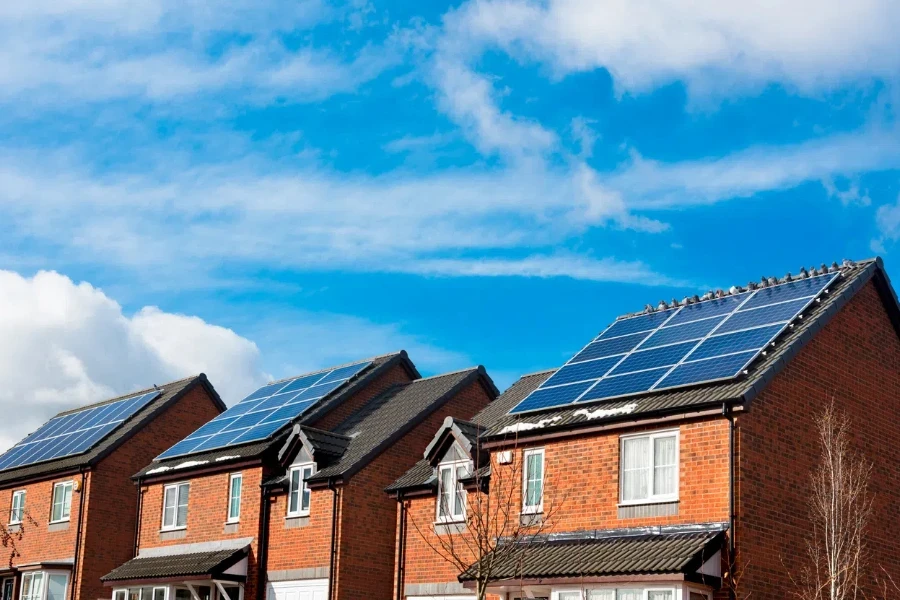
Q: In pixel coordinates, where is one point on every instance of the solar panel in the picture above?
(686, 345)
(265, 411)
(73, 433)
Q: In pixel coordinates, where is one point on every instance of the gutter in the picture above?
(137, 521)
(333, 558)
(727, 412)
(76, 562)
(263, 537)
(401, 547)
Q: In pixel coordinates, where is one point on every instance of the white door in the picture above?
(307, 589)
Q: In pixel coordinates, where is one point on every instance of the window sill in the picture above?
(232, 521)
(297, 515)
(58, 521)
(168, 529)
(651, 501)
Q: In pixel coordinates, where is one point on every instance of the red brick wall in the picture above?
(582, 490)
(367, 532)
(856, 360)
(394, 375)
(207, 513)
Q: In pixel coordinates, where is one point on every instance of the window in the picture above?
(649, 466)
(533, 484)
(62, 502)
(234, 498)
(18, 507)
(8, 585)
(141, 593)
(451, 495)
(298, 492)
(175, 506)
(42, 585)
(628, 594)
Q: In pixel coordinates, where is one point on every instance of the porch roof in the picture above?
(199, 565)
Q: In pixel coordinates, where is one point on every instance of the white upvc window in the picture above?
(625, 592)
(43, 585)
(299, 495)
(141, 593)
(235, 484)
(649, 468)
(533, 481)
(17, 510)
(62, 501)
(451, 499)
(175, 505)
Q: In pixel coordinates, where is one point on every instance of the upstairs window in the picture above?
(298, 492)
(175, 506)
(649, 468)
(533, 481)
(235, 483)
(17, 511)
(62, 502)
(451, 503)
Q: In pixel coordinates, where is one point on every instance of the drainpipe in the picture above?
(137, 522)
(401, 547)
(728, 413)
(262, 555)
(76, 562)
(333, 560)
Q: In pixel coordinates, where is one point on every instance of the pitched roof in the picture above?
(422, 473)
(170, 393)
(640, 551)
(259, 449)
(741, 389)
(390, 415)
(194, 564)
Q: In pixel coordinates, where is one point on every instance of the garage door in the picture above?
(306, 589)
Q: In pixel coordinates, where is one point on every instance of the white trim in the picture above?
(301, 490)
(533, 510)
(651, 498)
(12, 507)
(231, 479)
(177, 487)
(65, 512)
(44, 583)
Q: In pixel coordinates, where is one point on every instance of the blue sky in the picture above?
(484, 182)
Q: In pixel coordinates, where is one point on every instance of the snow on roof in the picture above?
(517, 427)
(185, 465)
(602, 413)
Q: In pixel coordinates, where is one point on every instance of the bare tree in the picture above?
(840, 508)
(11, 535)
(495, 531)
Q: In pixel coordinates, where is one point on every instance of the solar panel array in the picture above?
(264, 412)
(73, 433)
(693, 343)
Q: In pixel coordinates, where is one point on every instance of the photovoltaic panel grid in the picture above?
(264, 412)
(686, 345)
(73, 433)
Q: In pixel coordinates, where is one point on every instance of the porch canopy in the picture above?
(194, 564)
(684, 553)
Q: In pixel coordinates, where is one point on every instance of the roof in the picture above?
(740, 390)
(640, 551)
(195, 564)
(422, 473)
(259, 449)
(390, 415)
(170, 393)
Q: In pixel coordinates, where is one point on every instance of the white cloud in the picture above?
(68, 344)
(887, 220)
(718, 46)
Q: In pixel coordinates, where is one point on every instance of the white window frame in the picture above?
(122, 593)
(651, 498)
(14, 518)
(677, 591)
(533, 510)
(451, 466)
(177, 487)
(231, 479)
(303, 488)
(45, 581)
(65, 511)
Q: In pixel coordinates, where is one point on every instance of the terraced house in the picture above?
(66, 489)
(281, 496)
(670, 459)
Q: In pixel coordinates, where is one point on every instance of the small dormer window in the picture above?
(299, 495)
(451, 501)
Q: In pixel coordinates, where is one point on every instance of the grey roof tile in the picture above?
(176, 565)
(643, 551)
(170, 393)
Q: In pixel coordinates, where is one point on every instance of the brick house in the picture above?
(693, 492)
(67, 493)
(300, 513)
